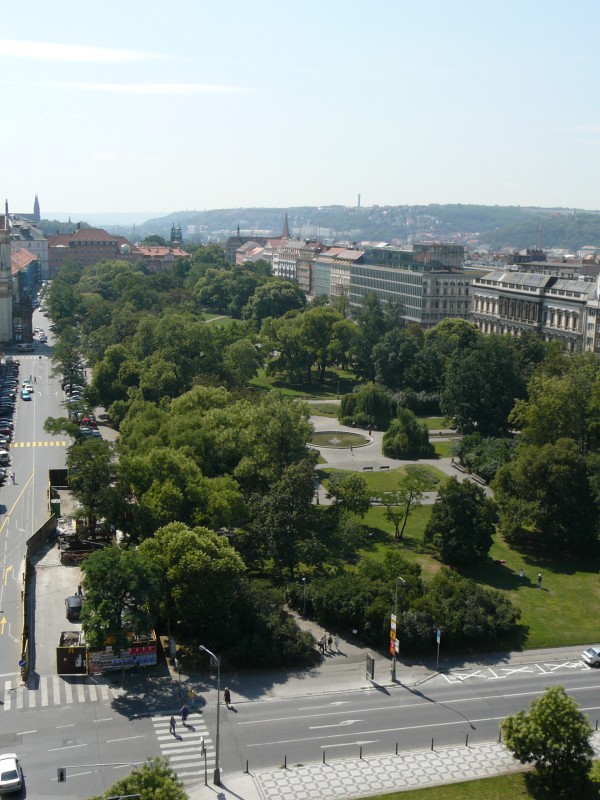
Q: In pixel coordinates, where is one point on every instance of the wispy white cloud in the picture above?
(147, 88)
(52, 51)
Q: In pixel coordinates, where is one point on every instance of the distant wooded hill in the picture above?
(493, 226)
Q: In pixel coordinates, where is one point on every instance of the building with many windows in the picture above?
(558, 309)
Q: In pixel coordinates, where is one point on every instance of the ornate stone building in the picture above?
(513, 303)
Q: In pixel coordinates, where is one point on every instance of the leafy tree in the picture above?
(484, 456)
(399, 503)
(371, 406)
(562, 406)
(394, 356)
(461, 525)
(200, 576)
(120, 587)
(481, 386)
(155, 780)
(274, 299)
(241, 361)
(372, 326)
(284, 515)
(554, 735)
(407, 438)
(155, 239)
(350, 493)
(89, 465)
(452, 337)
(545, 502)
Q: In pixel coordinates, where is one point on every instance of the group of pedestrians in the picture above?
(185, 712)
(327, 643)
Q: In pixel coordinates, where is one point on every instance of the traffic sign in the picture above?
(22, 663)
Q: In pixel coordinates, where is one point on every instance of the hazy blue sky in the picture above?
(161, 106)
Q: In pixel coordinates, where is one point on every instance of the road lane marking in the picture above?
(56, 689)
(66, 747)
(126, 738)
(44, 688)
(7, 695)
(335, 724)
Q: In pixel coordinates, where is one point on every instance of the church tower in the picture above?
(285, 234)
(6, 298)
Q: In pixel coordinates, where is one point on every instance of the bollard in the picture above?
(285, 762)
(323, 756)
(432, 743)
(247, 770)
(467, 741)
(499, 736)
(360, 753)
(396, 748)
(596, 724)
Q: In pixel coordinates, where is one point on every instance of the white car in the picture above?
(11, 774)
(591, 656)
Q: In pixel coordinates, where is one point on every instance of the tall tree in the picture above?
(554, 735)
(545, 502)
(120, 587)
(372, 326)
(350, 493)
(89, 464)
(399, 503)
(461, 525)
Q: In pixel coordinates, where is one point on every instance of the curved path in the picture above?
(369, 457)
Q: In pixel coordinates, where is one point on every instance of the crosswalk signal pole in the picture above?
(203, 753)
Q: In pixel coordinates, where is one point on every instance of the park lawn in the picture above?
(382, 481)
(563, 613)
(501, 787)
(435, 423)
(324, 409)
(444, 449)
(337, 383)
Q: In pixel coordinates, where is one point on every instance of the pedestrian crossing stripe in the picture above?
(184, 749)
(40, 444)
(53, 691)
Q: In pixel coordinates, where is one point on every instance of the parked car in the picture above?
(11, 774)
(4, 457)
(26, 347)
(73, 606)
(591, 656)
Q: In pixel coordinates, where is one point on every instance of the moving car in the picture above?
(11, 775)
(591, 656)
(27, 347)
(25, 394)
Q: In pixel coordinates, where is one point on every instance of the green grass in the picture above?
(563, 613)
(385, 481)
(324, 409)
(435, 423)
(443, 449)
(337, 383)
(516, 786)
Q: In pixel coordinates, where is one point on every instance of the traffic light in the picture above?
(62, 774)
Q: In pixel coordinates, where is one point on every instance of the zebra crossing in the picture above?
(40, 444)
(184, 750)
(52, 690)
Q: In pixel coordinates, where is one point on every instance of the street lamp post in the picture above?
(217, 772)
(403, 582)
(304, 593)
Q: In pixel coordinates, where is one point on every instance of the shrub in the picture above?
(407, 438)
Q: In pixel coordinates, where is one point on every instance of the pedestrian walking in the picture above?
(522, 574)
(34, 379)
(351, 450)
(539, 582)
(14, 480)
(185, 711)
(329, 641)
(227, 697)
(172, 726)
(337, 644)
(323, 643)
(79, 591)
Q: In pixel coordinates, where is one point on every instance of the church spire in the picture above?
(36, 210)
(285, 234)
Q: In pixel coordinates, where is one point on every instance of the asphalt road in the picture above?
(266, 732)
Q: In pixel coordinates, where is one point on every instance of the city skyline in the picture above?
(134, 106)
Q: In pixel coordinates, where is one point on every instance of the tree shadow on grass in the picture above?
(539, 789)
